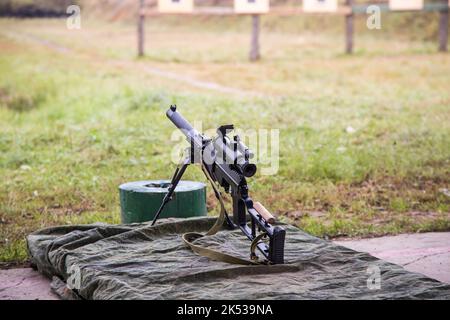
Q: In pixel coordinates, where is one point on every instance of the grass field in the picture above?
(79, 115)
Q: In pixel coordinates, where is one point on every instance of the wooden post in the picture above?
(141, 31)
(443, 29)
(254, 46)
(349, 28)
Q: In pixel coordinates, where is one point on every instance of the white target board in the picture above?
(251, 6)
(405, 4)
(320, 5)
(175, 6)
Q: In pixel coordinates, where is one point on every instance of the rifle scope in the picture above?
(235, 156)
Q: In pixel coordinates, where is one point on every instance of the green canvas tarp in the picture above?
(138, 261)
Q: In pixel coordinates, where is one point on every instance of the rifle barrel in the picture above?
(192, 135)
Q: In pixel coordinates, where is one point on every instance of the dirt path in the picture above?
(205, 85)
(200, 84)
(22, 37)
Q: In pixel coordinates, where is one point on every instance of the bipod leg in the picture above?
(173, 184)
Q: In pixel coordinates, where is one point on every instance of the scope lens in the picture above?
(249, 169)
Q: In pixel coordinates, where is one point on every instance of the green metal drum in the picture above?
(140, 200)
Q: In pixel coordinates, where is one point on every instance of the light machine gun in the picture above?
(225, 161)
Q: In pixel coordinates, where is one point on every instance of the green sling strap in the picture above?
(190, 237)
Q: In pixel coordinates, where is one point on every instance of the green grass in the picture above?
(74, 126)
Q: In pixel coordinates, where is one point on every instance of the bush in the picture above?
(34, 8)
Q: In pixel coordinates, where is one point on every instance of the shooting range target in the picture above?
(320, 5)
(405, 4)
(175, 6)
(251, 6)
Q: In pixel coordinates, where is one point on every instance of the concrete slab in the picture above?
(24, 284)
(425, 253)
